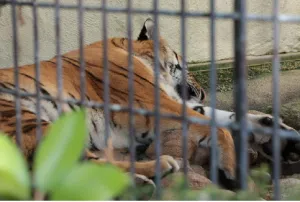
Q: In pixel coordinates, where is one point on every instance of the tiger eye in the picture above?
(266, 121)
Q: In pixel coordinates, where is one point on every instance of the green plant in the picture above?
(57, 172)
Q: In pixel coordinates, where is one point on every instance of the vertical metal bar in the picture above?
(81, 52)
(16, 75)
(276, 101)
(37, 70)
(105, 72)
(82, 75)
(241, 140)
(157, 99)
(184, 93)
(213, 85)
(59, 71)
(131, 91)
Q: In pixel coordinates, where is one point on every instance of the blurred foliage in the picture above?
(57, 172)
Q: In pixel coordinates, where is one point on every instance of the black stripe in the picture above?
(135, 74)
(199, 109)
(24, 122)
(92, 145)
(10, 84)
(94, 125)
(145, 134)
(112, 120)
(6, 104)
(14, 87)
(71, 61)
(28, 128)
(4, 86)
(100, 81)
(30, 77)
(113, 41)
(72, 95)
(48, 94)
(233, 114)
(201, 140)
(8, 113)
(70, 105)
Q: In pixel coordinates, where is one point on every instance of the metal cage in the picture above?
(240, 19)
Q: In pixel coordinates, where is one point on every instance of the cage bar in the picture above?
(59, 70)
(213, 88)
(157, 115)
(81, 52)
(106, 74)
(240, 93)
(131, 120)
(184, 93)
(37, 71)
(276, 101)
(16, 75)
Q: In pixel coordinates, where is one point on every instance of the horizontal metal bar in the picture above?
(250, 17)
(140, 111)
(281, 18)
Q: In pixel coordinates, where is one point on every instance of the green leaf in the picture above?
(60, 150)
(89, 181)
(14, 176)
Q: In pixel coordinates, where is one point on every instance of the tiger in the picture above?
(143, 57)
(195, 100)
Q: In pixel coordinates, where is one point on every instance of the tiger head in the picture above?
(170, 62)
(290, 149)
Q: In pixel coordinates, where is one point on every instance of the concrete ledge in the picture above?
(251, 60)
(257, 67)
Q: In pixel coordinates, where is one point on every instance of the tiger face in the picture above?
(171, 66)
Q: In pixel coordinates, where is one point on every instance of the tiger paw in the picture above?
(143, 188)
(168, 165)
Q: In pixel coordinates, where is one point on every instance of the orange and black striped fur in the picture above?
(143, 61)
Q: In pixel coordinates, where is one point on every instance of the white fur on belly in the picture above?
(119, 137)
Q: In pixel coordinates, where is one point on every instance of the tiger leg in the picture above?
(198, 135)
(145, 168)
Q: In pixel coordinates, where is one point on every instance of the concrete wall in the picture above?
(259, 34)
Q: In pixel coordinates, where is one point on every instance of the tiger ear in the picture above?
(147, 31)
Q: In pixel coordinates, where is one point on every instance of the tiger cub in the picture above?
(117, 56)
